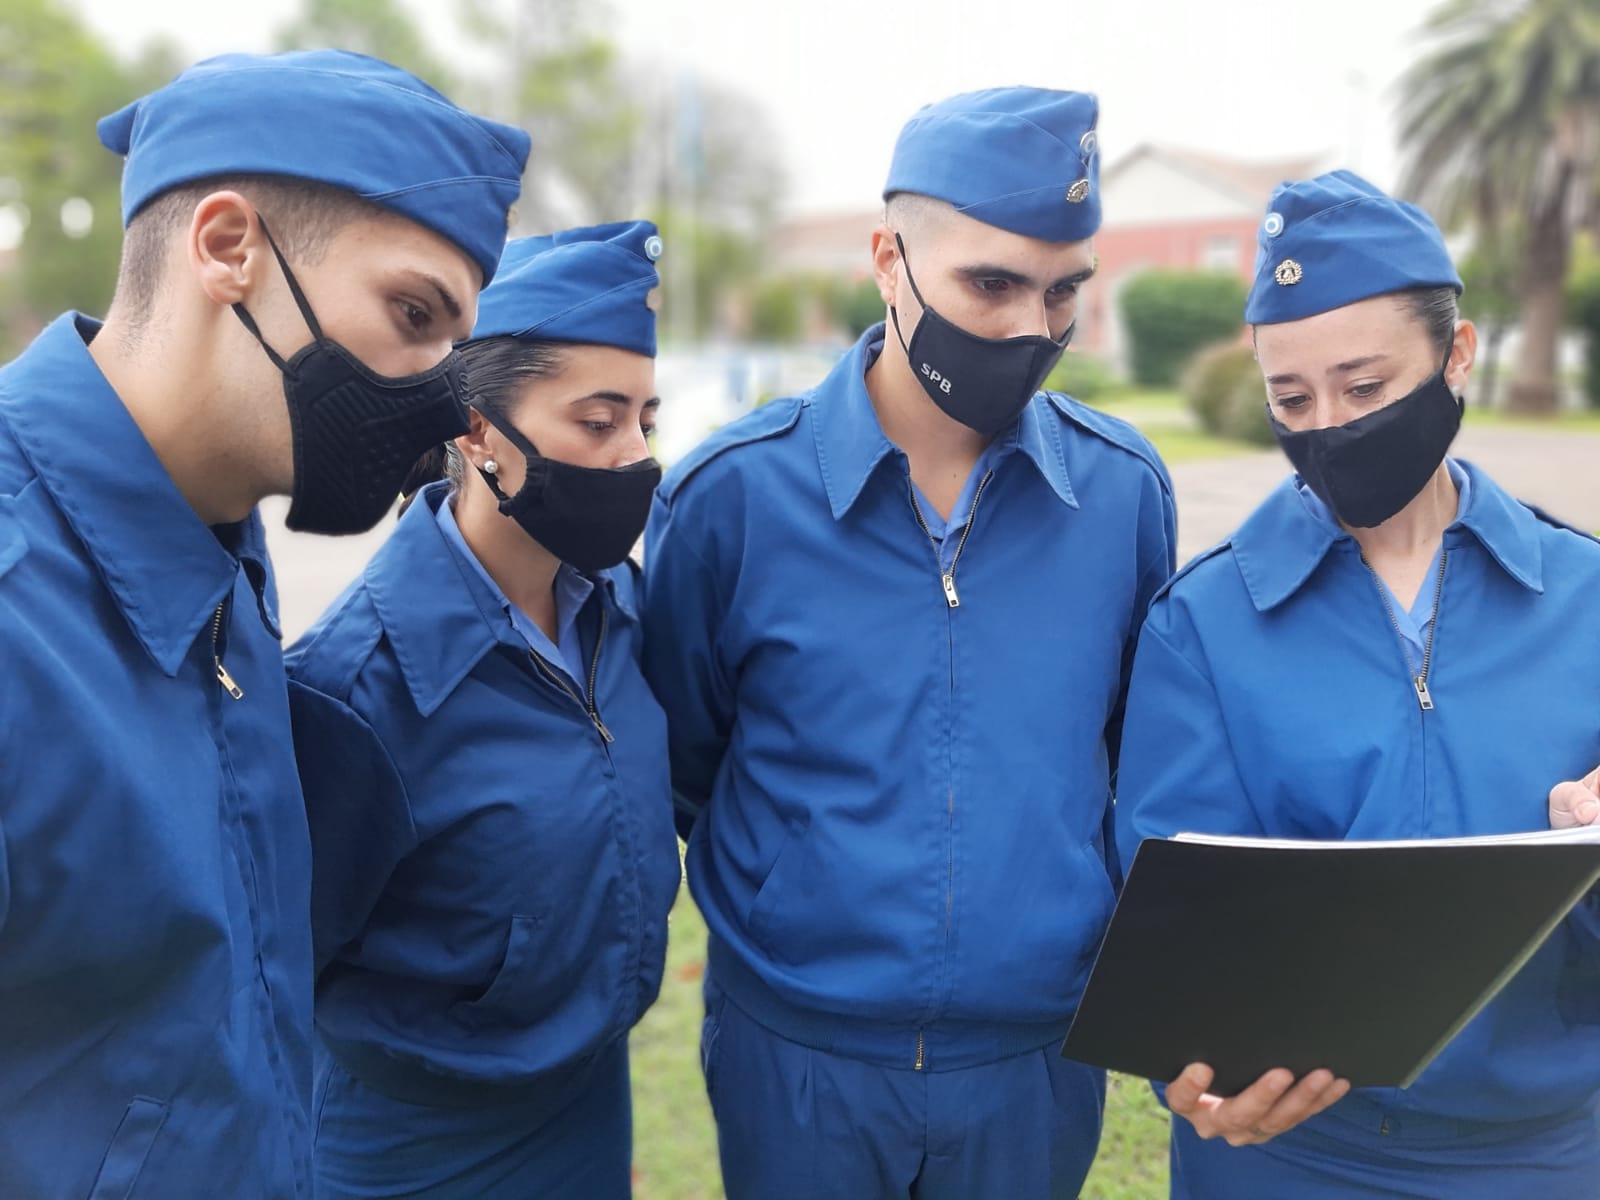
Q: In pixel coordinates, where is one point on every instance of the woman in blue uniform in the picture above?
(1389, 647)
(485, 769)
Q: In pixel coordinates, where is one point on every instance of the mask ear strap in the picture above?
(513, 435)
(910, 278)
(894, 310)
(300, 300)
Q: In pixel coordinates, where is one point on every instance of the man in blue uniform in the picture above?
(890, 621)
(306, 237)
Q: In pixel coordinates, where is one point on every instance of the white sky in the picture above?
(1251, 78)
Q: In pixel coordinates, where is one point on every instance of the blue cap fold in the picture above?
(596, 285)
(1336, 239)
(334, 118)
(1023, 159)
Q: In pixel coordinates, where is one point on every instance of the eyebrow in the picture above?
(992, 271)
(615, 398)
(1344, 368)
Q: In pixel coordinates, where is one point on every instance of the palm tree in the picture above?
(1501, 121)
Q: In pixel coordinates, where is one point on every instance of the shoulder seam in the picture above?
(1139, 446)
(1204, 556)
(700, 456)
(340, 684)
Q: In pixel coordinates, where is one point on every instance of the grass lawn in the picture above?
(675, 1145)
(1582, 421)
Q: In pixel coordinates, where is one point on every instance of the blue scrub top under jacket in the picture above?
(1272, 697)
(155, 953)
(494, 856)
(900, 808)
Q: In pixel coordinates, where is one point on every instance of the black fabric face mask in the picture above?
(356, 433)
(984, 383)
(589, 517)
(1369, 469)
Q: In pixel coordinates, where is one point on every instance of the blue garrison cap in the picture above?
(1333, 240)
(1024, 159)
(330, 117)
(595, 285)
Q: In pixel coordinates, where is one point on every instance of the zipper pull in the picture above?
(605, 734)
(951, 597)
(226, 680)
(1424, 697)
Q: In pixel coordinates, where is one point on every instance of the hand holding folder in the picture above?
(1363, 958)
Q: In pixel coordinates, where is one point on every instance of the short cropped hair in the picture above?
(304, 217)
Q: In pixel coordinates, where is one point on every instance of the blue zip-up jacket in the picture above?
(900, 808)
(155, 949)
(494, 858)
(1272, 697)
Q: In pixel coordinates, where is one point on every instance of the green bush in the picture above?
(777, 311)
(1223, 388)
(1083, 377)
(1172, 314)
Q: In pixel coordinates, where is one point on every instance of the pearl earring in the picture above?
(491, 467)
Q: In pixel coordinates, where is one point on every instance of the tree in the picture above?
(1488, 299)
(1502, 125)
(614, 141)
(381, 28)
(58, 184)
(1583, 303)
(1172, 314)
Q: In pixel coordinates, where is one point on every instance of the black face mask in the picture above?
(984, 383)
(356, 433)
(1368, 470)
(589, 517)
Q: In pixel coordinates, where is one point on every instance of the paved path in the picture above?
(1558, 471)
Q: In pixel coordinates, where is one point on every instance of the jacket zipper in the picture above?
(947, 579)
(1419, 682)
(226, 680)
(588, 706)
(952, 599)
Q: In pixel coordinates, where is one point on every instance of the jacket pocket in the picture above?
(130, 1146)
(765, 916)
(1102, 896)
(514, 988)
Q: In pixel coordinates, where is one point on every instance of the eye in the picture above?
(992, 287)
(1063, 291)
(1365, 391)
(599, 427)
(416, 316)
(1291, 403)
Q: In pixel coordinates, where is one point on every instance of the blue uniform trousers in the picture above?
(796, 1123)
(575, 1146)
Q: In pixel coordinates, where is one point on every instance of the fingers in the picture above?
(1573, 803)
(1306, 1099)
(1186, 1091)
(1270, 1106)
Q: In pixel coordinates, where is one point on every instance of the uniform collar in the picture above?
(440, 613)
(167, 569)
(851, 444)
(1283, 542)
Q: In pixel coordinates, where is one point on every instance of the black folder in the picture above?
(1362, 957)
